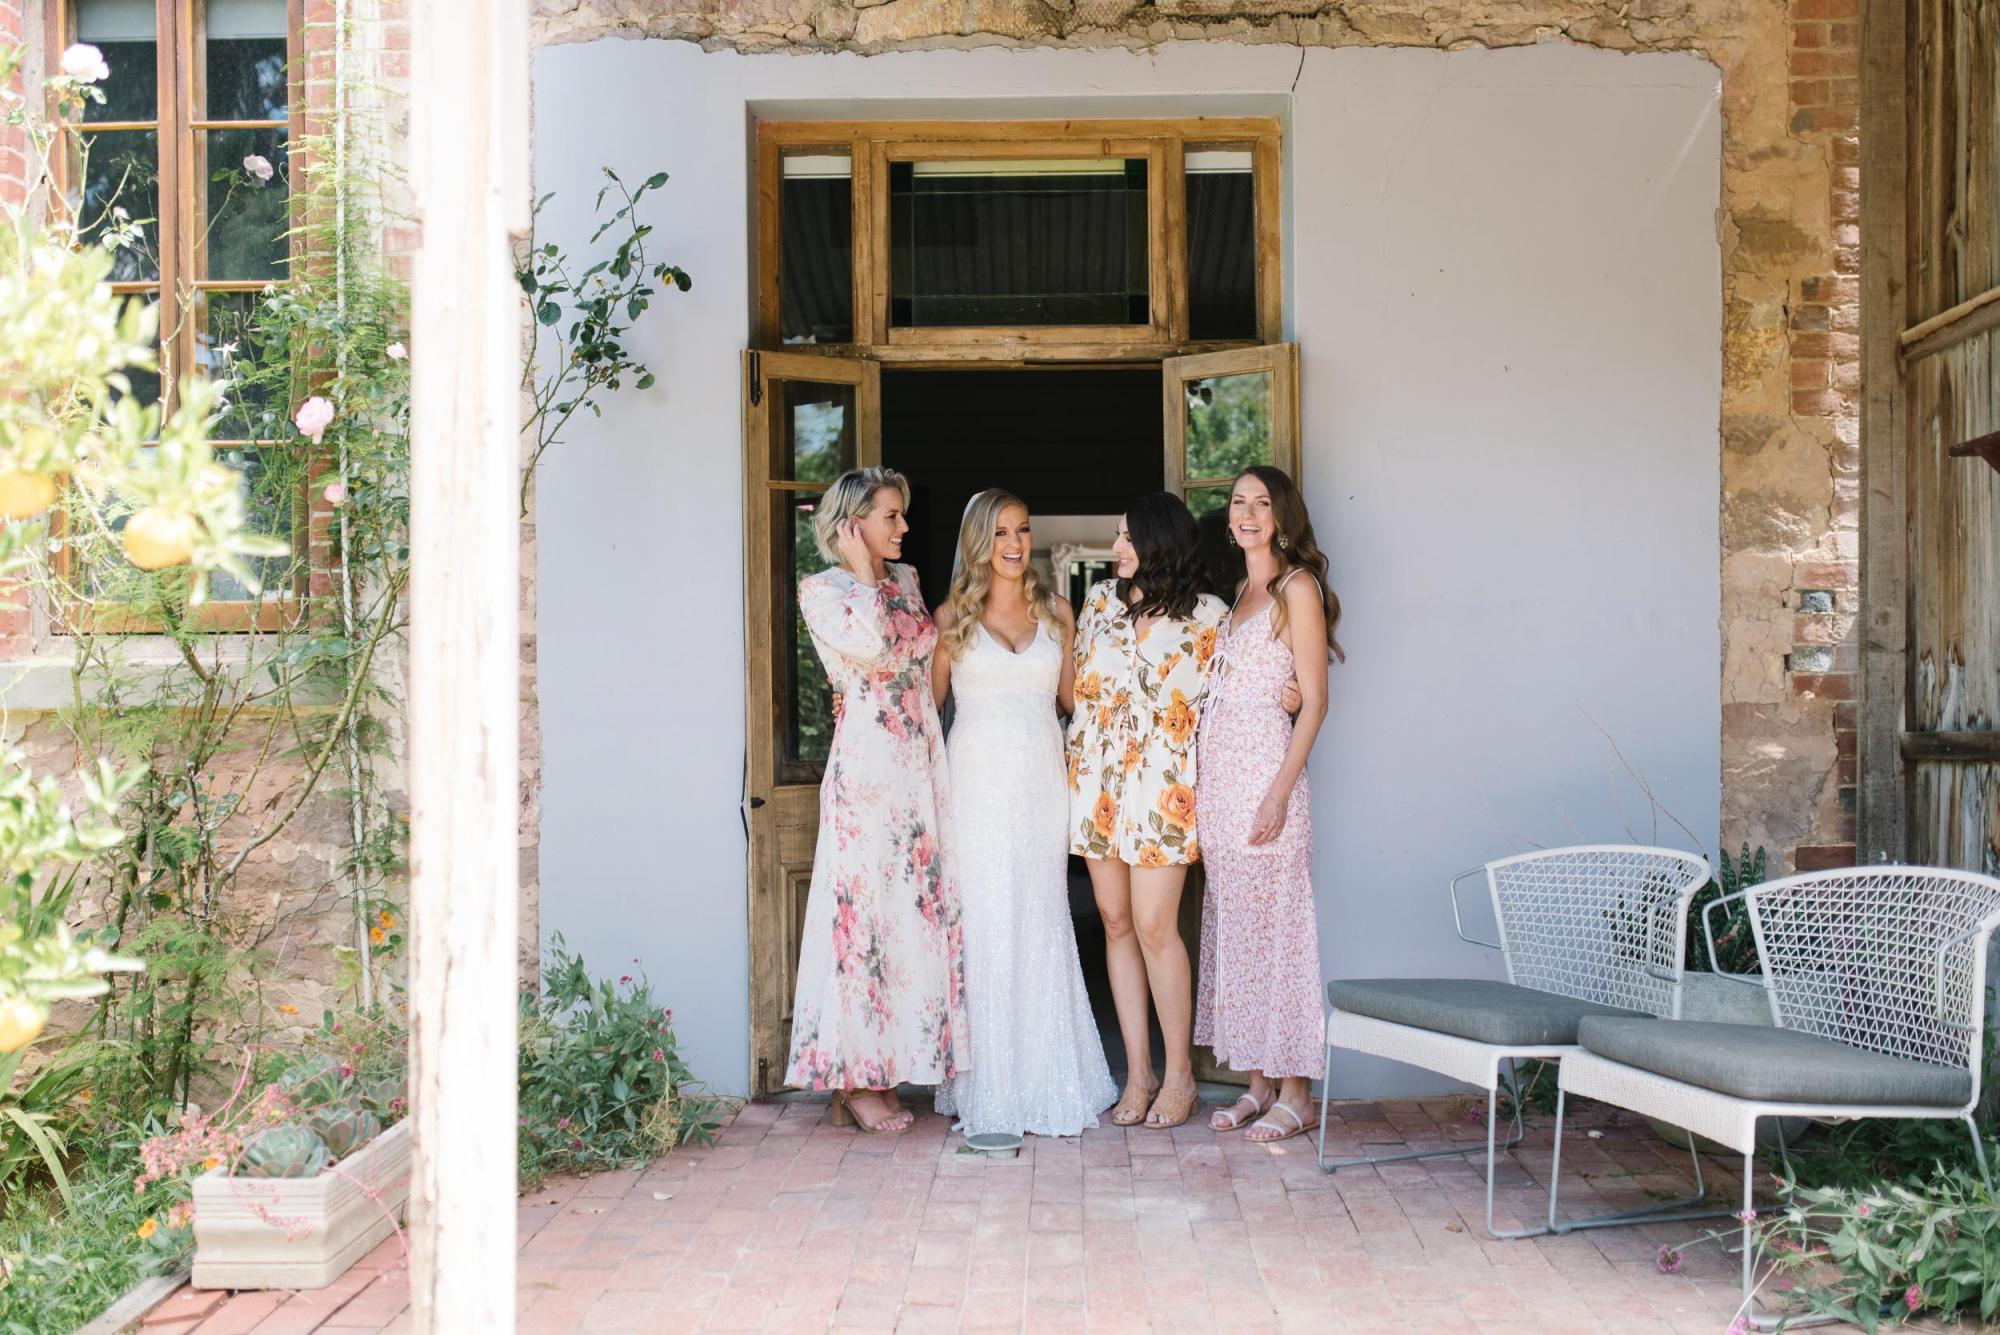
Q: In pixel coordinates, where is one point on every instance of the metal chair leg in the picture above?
(1492, 1156)
(1979, 1150)
(1325, 1097)
(1666, 1213)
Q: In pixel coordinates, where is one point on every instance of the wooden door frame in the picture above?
(1882, 797)
(773, 805)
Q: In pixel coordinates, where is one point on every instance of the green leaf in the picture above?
(655, 181)
(527, 280)
(548, 313)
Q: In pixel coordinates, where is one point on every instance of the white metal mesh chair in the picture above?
(1597, 930)
(1876, 978)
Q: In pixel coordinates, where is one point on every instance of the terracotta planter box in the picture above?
(303, 1232)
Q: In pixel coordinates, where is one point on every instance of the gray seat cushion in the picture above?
(1476, 1008)
(1774, 1065)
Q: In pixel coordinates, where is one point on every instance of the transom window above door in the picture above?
(1058, 240)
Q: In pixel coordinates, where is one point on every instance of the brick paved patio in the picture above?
(788, 1224)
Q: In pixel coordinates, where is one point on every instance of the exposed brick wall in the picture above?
(1824, 339)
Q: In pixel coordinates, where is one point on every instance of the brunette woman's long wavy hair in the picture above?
(1168, 580)
(1298, 550)
(972, 573)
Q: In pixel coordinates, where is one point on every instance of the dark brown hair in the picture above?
(1296, 549)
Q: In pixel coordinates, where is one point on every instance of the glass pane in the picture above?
(227, 348)
(145, 383)
(1228, 423)
(1018, 243)
(125, 31)
(271, 481)
(806, 694)
(248, 205)
(246, 61)
(121, 187)
(1201, 500)
(812, 431)
(1222, 246)
(270, 493)
(816, 265)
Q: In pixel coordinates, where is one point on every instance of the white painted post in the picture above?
(469, 149)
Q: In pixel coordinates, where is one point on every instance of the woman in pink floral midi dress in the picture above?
(880, 997)
(1258, 999)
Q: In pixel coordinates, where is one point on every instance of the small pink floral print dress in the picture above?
(881, 990)
(1257, 1003)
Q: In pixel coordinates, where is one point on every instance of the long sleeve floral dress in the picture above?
(881, 990)
(1132, 739)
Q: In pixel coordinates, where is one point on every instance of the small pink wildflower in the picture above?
(1913, 1298)
(562, 1123)
(659, 1054)
(313, 418)
(1747, 1216)
(626, 979)
(259, 169)
(576, 1144)
(1740, 1326)
(1669, 1261)
(346, 1070)
(396, 352)
(1861, 1210)
(335, 493)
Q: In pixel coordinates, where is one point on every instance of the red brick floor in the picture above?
(788, 1224)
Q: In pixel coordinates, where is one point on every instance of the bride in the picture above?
(1005, 641)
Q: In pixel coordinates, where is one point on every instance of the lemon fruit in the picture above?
(21, 1022)
(25, 494)
(156, 539)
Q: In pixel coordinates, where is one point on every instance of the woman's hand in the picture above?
(1269, 821)
(1289, 698)
(854, 552)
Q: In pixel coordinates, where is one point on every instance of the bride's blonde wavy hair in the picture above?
(972, 572)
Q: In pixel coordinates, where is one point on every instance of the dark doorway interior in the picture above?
(1068, 442)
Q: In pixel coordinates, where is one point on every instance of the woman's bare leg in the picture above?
(1156, 912)
(1111, 883)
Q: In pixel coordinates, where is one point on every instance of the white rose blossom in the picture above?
(85, 63)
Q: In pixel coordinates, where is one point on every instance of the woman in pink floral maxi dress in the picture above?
(880, 997)
(1258, 999)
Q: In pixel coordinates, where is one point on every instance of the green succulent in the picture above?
(379, 1093)
(345, 1126)
(283, 1151)
(315, 1082)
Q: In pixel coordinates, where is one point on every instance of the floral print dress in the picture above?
(1132, 739)
(881, 993)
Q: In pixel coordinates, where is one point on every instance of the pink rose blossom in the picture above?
(335, 493)
(259, 168)
(85, 63)
(313, 418)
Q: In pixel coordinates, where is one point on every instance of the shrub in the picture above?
(602, 1081)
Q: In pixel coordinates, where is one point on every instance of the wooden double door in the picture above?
(809, 417)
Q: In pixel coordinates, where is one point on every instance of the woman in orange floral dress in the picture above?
(1143, 648)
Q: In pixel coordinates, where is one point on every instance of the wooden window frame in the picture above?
(181, 138)
(871, 146)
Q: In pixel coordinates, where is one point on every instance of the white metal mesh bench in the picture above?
(1593, 932)
(1876, 978)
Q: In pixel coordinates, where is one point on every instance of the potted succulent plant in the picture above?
(312, 1193)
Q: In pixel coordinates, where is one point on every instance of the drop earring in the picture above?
(1284, 543)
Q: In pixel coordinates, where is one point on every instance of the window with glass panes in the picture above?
(189, 155)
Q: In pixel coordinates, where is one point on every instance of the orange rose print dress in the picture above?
(881, 990)
(1132, 739)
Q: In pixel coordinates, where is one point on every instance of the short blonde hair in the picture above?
(852, 496)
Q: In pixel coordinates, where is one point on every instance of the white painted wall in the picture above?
(1504, 271)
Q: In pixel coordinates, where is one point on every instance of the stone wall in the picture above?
(1788, 233)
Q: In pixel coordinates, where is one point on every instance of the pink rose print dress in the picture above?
(1257, 1003)
(881, 990)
